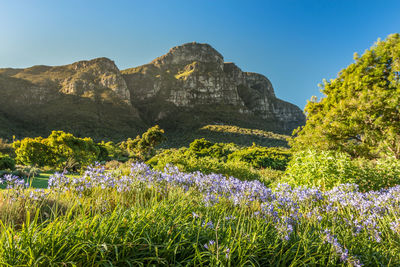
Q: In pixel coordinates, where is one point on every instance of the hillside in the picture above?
(189, 87)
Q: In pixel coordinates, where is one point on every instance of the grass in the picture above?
(167, 225)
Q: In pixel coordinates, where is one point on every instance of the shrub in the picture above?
(143, 148)
(324, 169)
(187, 161)
(113, 151)
(262, 157)
(59, 150)
(377, 174)
(6, 162)
(204, 148)
(112, 165)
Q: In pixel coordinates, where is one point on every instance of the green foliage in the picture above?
(205, 148)
(111, 151)
(262, 157)
(360, 112)
(377, 174)
(59, 150)
(218, 133)
(325, 169)
(6, 162)
(329, 168)
(187, 161)
(68, 151)
(5, 147)
(143, 147)
(207, 157)
(32, 151)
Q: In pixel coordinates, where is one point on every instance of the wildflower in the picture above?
(227, 252)
(209, 244)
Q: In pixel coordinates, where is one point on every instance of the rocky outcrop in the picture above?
(98, 79)
(188, 87)
(87, 98)
(195, 74)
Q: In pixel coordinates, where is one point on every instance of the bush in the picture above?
(377, 174)
(143, 148)
(58, 150)
(204, 148)
(111, 151)
(6, 162)
(112, 165)
(187, 161)
(329, 169)
(262, 157)
(325, 169)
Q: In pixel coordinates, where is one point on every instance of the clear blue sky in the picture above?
(294, 43)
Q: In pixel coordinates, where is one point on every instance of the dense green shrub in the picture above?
(328, 169)
(187, 161)
(204, 148)
(324, 169)
(377, 174)
(112, 151)
(143, 147)
(59, 150)
(6, 162)
(262, 157)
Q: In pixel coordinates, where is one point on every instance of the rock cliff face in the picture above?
(186, 88)
(97, 78)
(88, 98)
(195, 74)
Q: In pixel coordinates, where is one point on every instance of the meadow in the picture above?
(140, 216)
(219, 204)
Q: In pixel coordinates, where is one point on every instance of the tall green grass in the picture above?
(168, 226)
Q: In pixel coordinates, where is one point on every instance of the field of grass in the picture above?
(145, 217)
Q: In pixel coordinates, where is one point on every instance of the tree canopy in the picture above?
(360, 113)
(58, 150)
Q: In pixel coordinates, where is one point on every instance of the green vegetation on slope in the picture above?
(220, 133)
(360, 112)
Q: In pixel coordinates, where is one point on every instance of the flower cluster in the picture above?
(13, 182)
(285, 207)
(342, 252)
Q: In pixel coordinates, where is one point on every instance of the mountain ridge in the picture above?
(186, 88)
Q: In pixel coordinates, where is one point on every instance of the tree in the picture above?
(32, 151)
(142, 147)
(71, 152)
(360, 113)
(59, 150)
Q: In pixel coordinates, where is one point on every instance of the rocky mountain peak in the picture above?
(194, 74)
(189, 86)
(190, 52)
(101, 63)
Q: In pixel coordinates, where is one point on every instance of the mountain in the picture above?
(189, 87)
